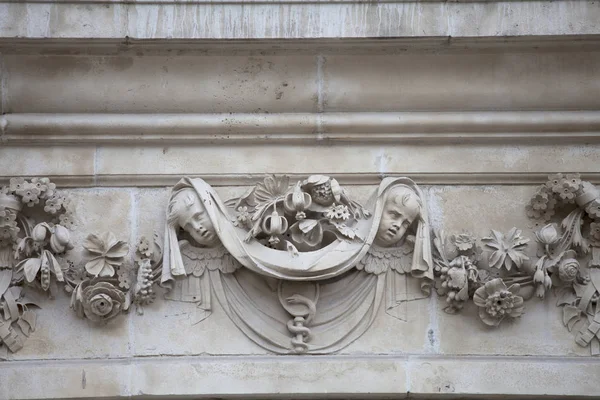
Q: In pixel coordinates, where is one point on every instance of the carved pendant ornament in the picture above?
(301, 267)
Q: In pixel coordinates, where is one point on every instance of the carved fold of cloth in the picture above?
(339, 310)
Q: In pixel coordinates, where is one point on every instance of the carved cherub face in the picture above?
(400, 210)
(190, 214)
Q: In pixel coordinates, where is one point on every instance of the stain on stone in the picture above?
(431, 337)
(120, 63)
(83, 380)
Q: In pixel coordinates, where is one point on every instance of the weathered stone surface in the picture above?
(153, 84)
(510, 90)
(240, 20)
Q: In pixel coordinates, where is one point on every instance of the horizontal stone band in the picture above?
(307, 128)
(358, 179)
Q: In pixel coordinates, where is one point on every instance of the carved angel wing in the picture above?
(196, 259)
(379, 260)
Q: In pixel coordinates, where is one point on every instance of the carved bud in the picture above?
(40, 231)
(274, 225)
(62, 234)
(547, 235)
(297, 201)
(538, 277)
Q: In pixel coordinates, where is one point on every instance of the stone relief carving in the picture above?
(301, 268)
(287, 262)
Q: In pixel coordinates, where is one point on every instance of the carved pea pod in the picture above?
(297, 201)
(274, 225)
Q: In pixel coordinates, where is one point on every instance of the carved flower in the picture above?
(98, 301)
(509, 249)
(567, 192)
(7, 217)
(243, 217)
(124, 278)
(44, 185)
(533, 213)
(547, 235)
(555, 182)
(540, 200)
(29, 194)
(593, 209)
(8, 224)
(143, 247)
(68, 221)
(107, 253)
(496, 302)
(17, 184)
(54, 203)
(464, 242)
(339, 212)
(574, 180)
(568, 269)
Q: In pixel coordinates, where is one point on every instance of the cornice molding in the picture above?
(302, 128)
(358, 179)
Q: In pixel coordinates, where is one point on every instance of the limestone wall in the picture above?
(115, 119)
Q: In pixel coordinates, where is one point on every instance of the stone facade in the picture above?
(477, 103)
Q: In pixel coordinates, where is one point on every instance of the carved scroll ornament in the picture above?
(301, 268)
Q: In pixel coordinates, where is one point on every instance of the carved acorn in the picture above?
(297, 201)
(274, 225)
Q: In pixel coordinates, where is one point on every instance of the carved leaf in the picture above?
(307, 225)
(571, 315)
(271, 188)
(55, 266)
(31, 267)
(565, 295)
(497, 259)
(345, 230)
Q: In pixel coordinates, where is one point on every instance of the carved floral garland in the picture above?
(494, 272)
(35, 220)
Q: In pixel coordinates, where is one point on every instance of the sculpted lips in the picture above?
(204, 232)
(392, 231)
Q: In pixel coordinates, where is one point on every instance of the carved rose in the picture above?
(568, 269)
(496, 302)
(98, 300)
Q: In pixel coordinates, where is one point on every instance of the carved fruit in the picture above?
(56, 246)
(62, 234)
(40, 231)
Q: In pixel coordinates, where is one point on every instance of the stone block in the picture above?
(461, 81)
(43, 161)
(148, 84)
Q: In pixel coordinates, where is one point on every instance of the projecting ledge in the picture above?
(552, 127)
(430, 377)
